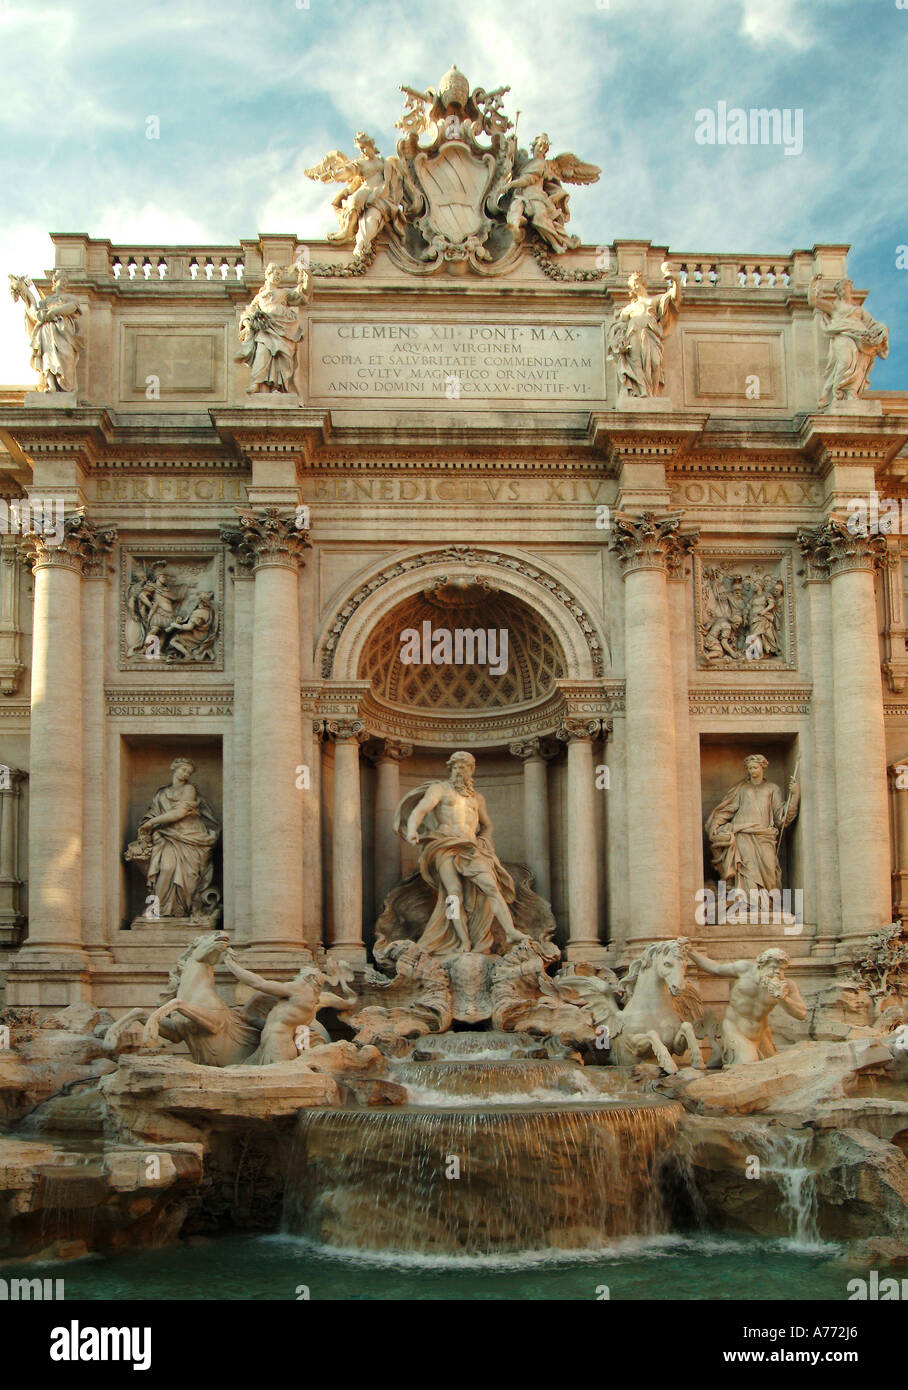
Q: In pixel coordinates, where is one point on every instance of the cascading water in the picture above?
(785, 1159)
(476, 1175)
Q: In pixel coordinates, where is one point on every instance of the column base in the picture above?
(591, 952)
(42, 976)
(355, 952)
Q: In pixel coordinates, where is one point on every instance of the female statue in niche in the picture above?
(177, 836)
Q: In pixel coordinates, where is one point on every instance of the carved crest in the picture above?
(458, 193)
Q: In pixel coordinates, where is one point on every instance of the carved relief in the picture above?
(172, 610)
(468, 196)
(744, 615)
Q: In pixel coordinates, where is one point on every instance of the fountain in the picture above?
(489, 1156)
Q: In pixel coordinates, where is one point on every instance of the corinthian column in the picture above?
(582, 859)
(347, 852)
(898, 789)
(648, 548)
(533, 754)
(862, 813)
(10, 918)
(274, 546)
(387, 756)
(55, 767)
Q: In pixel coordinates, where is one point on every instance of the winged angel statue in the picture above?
(371, 196)
(458, 191)
(537, 195)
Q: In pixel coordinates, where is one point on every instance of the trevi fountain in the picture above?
(451, 806)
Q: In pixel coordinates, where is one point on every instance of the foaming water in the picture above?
(479, 1180)
(785, 1158)
(498, 1082)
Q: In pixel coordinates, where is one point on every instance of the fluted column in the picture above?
(648, 547)
(273, 545)
(898, 790)
(862, 813)
(347, 857)
(11, 920)
(55, 759)
(534, 754)
(387, 757)
(582, 857)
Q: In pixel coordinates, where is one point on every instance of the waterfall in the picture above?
(479, 1179)
(784, 1158)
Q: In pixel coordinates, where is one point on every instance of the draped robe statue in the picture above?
(52, 331)
(458, 860)
(636, 336)
(270, 329)
(177, 836)
(744, 830)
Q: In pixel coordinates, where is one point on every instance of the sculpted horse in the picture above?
(216, 1034)
(657, 1017)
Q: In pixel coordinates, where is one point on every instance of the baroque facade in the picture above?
(259, 466)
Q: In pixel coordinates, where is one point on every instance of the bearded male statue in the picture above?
(450, 822)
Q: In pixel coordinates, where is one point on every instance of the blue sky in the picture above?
(250, 92)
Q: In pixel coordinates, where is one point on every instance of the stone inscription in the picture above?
(459, 361)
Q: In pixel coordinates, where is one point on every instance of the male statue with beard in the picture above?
(759, 985)
(451, 823)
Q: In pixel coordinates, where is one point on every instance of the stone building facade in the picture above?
(456, 452)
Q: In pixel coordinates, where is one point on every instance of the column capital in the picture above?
(387, 750)
(832, 548)
(11, 778)
(648, 541)
(82, 545)
(532, 750)
(343, 730)
(268, 537)
(574, 728)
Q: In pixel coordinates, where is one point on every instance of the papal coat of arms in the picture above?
(458, 192)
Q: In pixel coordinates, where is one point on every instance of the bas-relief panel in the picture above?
(171, 609)
(744, 610)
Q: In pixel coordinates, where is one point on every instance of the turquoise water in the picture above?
(273, 1267)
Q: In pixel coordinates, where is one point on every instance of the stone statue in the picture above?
(194, 636)
(52, 331)
(759, 985)
(744, 830)
(371, 198)
(450, 821)
(176, 837)
(299, 1001)
(537, 196)
(636, 335)
(526, 999)
(855, 341)
(270, 328)
(194, 1013)
(657, 1019)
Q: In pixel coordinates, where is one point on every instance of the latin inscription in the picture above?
(454, 362)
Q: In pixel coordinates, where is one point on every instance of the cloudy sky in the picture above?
(249, 92)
